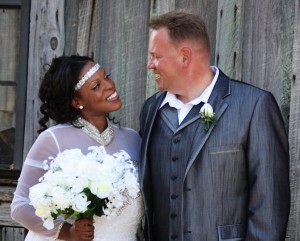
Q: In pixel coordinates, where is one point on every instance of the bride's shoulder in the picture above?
(127, 132)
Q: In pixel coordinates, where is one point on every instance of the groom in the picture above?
(208, 176)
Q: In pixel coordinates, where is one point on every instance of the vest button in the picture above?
(173, 215)
(173, 177)
(174, 159)
(174, 196)
(174, 236)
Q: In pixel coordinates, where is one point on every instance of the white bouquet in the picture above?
(78, 185)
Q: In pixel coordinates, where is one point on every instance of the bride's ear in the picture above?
(75, 103)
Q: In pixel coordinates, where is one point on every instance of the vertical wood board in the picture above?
(123, 52)
(46, 41)
(294, 134)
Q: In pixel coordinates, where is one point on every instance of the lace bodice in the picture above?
(122, 227)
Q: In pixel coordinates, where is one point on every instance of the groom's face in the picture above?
(164, 60)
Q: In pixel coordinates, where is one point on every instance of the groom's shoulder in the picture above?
(240, 85)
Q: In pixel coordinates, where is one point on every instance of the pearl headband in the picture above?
(87, 76)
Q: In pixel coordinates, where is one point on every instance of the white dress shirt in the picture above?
(184, 108)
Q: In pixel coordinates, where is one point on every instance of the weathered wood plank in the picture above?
(5, 219)
(262, 61)
(294, 134)
(71, 26)
(46, 41)
(230, 37)
(6, 193)
(287, 29)
(84, 26)
(12, 234)
(123, 51)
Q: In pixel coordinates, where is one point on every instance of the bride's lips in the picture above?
(113, 96)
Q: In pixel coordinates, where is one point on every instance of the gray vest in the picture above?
(169, 152)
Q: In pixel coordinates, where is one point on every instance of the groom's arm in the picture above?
(268, 173)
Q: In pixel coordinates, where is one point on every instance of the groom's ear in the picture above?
(186, 56)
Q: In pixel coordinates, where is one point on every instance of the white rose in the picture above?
(207, 110)
(61, 198)
(80, 203)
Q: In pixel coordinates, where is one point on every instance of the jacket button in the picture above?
(173, 215)
(176, 141)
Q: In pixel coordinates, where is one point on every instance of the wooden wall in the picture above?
(253, 41)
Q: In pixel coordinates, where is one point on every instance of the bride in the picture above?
(77, 95)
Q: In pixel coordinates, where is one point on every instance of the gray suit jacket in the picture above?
(237, 172)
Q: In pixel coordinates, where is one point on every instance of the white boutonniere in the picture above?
(207, 115)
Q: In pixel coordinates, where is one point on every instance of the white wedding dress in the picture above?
(56, 139)
(119, 228)
(122, 227)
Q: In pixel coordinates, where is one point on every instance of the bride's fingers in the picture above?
(86, 235)
(84, 229)
(84, 224)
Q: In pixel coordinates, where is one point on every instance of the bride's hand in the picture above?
(82, 230)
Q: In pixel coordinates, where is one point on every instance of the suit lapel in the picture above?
(150, 118)
(192, 116)
(216, 100)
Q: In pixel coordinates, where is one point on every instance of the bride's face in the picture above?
(98, 95)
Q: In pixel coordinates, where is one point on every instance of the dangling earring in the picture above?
(80, 107)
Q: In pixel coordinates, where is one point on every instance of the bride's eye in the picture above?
(96, 86)
(107, 76)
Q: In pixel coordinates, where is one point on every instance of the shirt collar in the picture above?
(178, 104)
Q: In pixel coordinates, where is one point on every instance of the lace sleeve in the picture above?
(21, 211)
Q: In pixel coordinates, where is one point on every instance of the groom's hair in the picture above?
(182, 26)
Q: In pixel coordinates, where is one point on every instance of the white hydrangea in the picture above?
(71, 176)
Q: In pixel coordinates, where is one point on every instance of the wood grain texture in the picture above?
(47, 35)
(71, 26)
(294, 134)
(229, 37)
(5, 219)
(263, 36)
(12, 234)
(123, 52)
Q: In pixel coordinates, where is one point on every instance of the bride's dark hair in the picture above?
(57, 90)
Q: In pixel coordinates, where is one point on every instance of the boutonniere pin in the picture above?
(207, 115)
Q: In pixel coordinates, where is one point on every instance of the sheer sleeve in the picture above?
(21, 211)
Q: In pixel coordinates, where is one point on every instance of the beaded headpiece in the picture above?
(87, 76)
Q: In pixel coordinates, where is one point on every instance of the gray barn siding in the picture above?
(47, 32)
(251, 40)
(294, 132)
